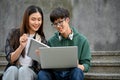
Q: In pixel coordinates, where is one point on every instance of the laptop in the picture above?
(58, 57)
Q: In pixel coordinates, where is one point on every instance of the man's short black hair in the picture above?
(58, 13)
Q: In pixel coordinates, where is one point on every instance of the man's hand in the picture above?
(81, 67)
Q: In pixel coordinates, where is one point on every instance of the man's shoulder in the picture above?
(54, 37)
(78, 34)
(82, 36)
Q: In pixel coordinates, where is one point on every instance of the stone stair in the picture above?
(3, 62)
(105, 65)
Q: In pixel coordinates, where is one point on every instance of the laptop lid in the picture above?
(58, 57)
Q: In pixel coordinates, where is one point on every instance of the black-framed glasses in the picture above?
(58, 23)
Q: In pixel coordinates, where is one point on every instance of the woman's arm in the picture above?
(23, 41)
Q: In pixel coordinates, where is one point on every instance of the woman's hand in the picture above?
(23, 40)
(37, 51)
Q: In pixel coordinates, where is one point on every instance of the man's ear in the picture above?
(68, 19)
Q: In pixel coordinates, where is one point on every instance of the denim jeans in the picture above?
(22, 73)
(73, 74)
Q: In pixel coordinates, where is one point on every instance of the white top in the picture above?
(27, 61)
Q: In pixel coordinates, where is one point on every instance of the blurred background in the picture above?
(98, 20)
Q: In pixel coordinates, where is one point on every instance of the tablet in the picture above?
(34, 45)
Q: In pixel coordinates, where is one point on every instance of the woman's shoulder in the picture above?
(14, 31)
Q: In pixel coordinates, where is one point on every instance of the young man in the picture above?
(67, 36)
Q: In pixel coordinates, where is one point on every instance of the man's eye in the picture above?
(60, 22)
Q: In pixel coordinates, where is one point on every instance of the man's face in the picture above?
(61, 25)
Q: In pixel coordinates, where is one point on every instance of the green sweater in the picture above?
(78, 40)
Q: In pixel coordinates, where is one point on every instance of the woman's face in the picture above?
(35, 21)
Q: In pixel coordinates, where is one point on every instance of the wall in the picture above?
(98, 20)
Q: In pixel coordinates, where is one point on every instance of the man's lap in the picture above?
(60, 75)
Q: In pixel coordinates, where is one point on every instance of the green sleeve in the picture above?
(85, 57)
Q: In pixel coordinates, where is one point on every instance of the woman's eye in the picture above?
(33, 19)
(39, 19)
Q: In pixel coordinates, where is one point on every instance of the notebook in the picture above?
(34, 45)
(58, 57)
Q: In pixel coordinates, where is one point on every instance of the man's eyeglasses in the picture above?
(58, 23)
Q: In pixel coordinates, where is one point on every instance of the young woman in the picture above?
(21, 66)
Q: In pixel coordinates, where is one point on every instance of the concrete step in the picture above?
(3, 65)
(106, 56)
(105, 67)
(105, 63)
(3, 62)
(2, 57)
(102, 76)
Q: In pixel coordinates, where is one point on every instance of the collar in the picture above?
(36, 36)
(69, 37)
